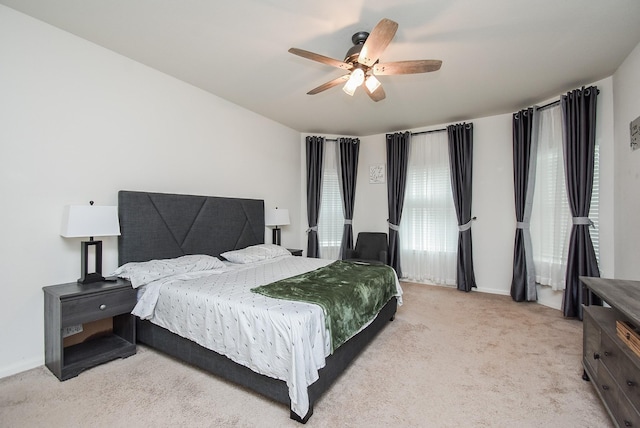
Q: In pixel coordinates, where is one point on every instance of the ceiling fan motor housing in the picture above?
(358, 40)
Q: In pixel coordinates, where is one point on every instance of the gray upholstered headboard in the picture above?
(161, 225)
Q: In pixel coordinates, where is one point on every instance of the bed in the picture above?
(157, 226)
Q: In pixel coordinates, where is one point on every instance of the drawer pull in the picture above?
(631, 383)
(627, 423)
(596, 356)
(103, 307)
(605, 387)
(607, 353)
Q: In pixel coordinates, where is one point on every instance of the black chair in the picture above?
(371, 247)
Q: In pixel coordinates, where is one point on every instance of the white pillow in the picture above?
(256, 253)
(141, 273)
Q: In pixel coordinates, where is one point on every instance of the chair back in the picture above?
(370, 244)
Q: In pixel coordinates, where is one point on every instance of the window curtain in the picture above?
(429, 229)
(579, 139)
(315, 150)
(525, 129)
(461, 161)
(331, 217)
(397, 160)
(349, 149)
(550, 215)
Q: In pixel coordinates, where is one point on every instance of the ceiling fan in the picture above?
(362, 62)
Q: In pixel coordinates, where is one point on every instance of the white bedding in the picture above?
(282, 339)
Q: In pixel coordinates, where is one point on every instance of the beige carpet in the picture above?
(450, 359)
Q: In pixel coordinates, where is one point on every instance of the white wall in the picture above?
(79, 123)
(626, 84)
(493, 201)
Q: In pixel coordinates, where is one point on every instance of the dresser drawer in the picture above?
(623, 411)
(94, 307)
(623, 368)
(591, 342)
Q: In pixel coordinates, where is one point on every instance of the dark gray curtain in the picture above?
(579, 140)
(525, 148)
(315, 156)
(397, 161)
(461, 162)
(348, 149)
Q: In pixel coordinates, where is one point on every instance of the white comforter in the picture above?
(282, 339)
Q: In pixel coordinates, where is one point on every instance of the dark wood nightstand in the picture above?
(73, 304)
(295, 252)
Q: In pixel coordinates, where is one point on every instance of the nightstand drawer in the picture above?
(90, 308)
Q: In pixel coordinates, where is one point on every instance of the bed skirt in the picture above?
(188, 351)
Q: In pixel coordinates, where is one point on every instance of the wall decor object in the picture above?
(635, 133)
(377, 174)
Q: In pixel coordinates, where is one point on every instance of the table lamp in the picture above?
(276, 218)
(81, 221)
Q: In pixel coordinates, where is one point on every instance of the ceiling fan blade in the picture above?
(329, 85)
(321, 58)
(407, 67)
(378, 40)
(377, 95)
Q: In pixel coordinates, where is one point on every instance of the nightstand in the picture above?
(295, 252)
(74, 304)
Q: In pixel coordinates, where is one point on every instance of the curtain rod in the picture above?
(551, 104)
(331, 139)
(556, 102)
(428, 132)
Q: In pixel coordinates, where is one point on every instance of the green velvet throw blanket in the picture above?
(351, 294)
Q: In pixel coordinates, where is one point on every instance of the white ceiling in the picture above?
(498, 55)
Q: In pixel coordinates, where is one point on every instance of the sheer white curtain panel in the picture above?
(429, 226)
(550, 215)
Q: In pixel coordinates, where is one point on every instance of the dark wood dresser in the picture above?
(610, 363)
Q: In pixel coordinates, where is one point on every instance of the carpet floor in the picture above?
(449, 359)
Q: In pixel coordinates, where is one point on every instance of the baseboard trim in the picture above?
(22, 366)
(546, 296)
(492, 291)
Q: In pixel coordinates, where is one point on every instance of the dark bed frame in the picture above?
(160, 225)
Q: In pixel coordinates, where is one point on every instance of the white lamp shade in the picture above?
(277, 217)
(80, 221)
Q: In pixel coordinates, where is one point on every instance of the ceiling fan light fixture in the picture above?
(357, 77)
(372, 84)
(355, 80)
(349, 89)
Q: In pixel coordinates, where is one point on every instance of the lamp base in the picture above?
(87, 277)
(275, 235)
(91, 278)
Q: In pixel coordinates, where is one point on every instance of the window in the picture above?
(331, 218)
(429, 226)
(551, 220)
